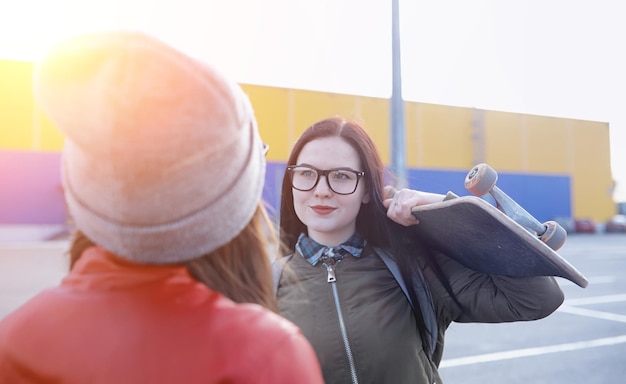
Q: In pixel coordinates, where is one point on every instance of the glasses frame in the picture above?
(325, 172)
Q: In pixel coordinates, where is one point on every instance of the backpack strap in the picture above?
(424, 296)
(277, 270)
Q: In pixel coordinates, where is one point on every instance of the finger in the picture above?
(414, 219)
(388, 192)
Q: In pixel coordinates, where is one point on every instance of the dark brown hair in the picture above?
(240, 269)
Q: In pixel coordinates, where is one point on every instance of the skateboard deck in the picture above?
(481, 237)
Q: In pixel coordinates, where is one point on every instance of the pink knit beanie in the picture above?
(162, 161)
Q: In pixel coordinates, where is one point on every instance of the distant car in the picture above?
(616, 224)
(585, 225)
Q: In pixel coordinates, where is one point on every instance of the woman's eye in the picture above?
(339, 175)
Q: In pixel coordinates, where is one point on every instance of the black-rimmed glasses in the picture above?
(342, 181)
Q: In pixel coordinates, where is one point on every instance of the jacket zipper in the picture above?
(331, 278)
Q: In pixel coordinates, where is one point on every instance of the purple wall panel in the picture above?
(30, 188)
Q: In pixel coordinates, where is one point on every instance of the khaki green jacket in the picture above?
(362, 326)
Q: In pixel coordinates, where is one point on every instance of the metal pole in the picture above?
(398, 150)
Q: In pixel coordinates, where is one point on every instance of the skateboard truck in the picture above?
(481, 180)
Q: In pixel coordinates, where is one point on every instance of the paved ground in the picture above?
(583, 342)
(27, 268)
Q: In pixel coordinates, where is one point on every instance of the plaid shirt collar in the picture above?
(312, 251)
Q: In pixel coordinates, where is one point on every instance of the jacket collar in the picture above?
(98, 268)
(313, 251)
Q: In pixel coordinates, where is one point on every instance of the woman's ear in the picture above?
(366, 198)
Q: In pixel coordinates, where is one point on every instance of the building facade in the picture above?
(551, 166)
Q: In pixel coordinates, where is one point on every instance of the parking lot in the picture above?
(583, 342)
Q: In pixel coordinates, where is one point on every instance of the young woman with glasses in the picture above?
(374, 300)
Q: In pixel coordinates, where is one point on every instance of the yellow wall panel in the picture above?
(313, 106)
(591, 179)
(270, 108)
(547, 144)
(299, 109)
(438, 136)
(22, 125)
(309, 107)
(16, 106)
(504, 141)
(376, 120)
(48, 136)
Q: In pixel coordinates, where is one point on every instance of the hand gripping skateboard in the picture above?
(503, 239)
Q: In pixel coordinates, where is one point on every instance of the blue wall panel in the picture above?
(30, 188)
(437, 181)
(273, 181)
(543, 196)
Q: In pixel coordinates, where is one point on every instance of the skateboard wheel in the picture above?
(481, 180)
(554, 236)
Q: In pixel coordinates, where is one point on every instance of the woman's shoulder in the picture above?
(254, 318)
(264, 336)
(260, 329)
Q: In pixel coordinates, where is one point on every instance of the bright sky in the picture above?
(558, 58)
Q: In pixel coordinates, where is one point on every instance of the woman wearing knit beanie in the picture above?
(170, 280)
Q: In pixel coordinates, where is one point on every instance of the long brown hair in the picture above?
(240, 269)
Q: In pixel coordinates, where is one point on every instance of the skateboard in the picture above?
(503, 239)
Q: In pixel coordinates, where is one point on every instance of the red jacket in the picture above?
(113, 321)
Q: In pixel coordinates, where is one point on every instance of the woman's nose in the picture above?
(322, 188)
